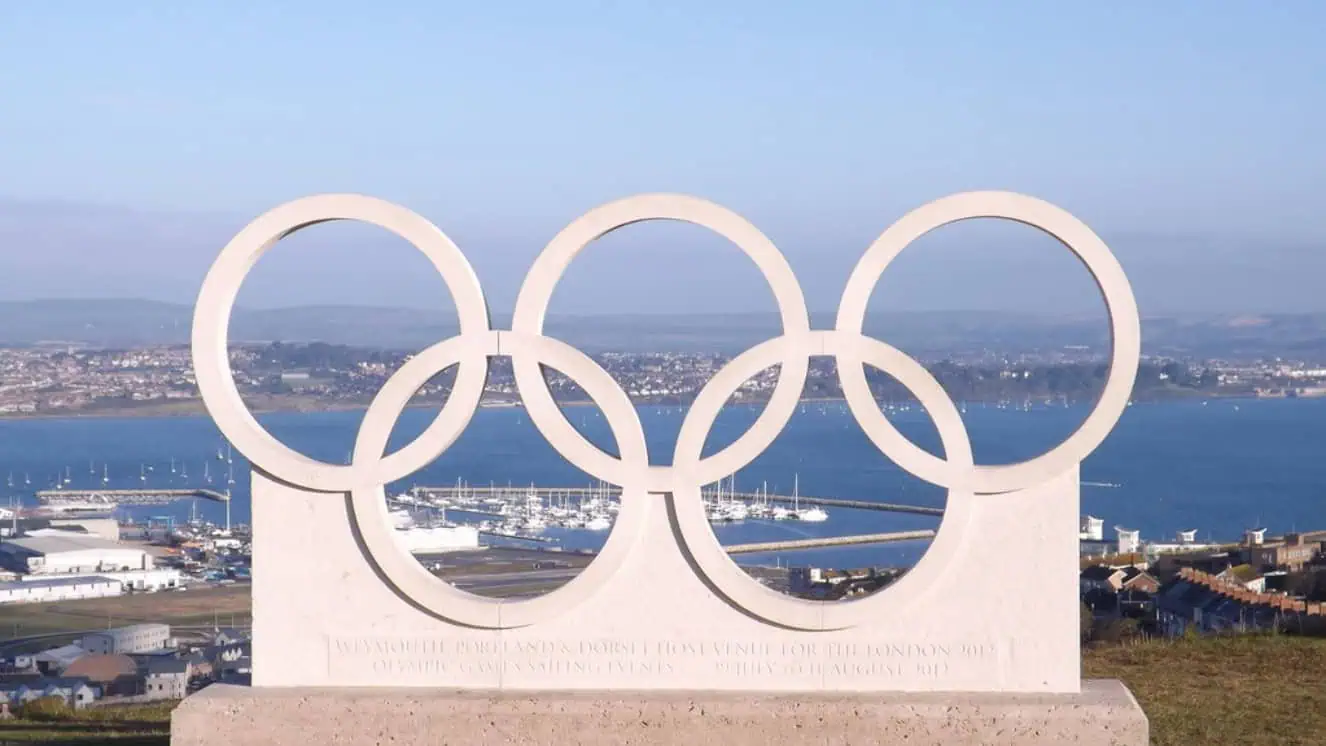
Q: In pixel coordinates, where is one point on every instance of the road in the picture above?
(552, 576)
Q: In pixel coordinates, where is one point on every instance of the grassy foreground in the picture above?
(1248, 690)
(122, 726)
(1251, 690)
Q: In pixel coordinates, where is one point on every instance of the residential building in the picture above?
(1130, 540)
(167, 678)
(114, 675)
(1100, 578)
(1138, 580)
(77, 693)
(1091, 528)
(1292, 552)
(1244, 576)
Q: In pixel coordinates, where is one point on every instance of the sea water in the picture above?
(1218, 466)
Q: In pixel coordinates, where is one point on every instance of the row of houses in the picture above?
(1204, 602)
(1245, 586)
(128, 664)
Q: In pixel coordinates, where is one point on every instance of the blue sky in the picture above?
(138, 137)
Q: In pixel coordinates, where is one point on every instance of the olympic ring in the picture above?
(717, 565)
(371, 468)
(1125, 329)
(211, 323)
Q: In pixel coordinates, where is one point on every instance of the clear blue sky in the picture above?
(138, 136)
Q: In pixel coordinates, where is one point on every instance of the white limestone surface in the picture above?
(338, 602)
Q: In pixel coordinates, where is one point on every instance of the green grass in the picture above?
(1248, 690)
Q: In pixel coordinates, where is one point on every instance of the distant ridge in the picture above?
(128, 322)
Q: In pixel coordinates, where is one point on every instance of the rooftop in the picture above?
(58, 582)
(134, 629)
(165, 666)
(53, 544)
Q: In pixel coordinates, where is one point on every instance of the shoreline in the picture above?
(195, 408)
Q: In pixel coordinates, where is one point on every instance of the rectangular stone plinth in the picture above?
(1105, 713)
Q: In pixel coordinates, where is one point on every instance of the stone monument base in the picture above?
(1105, 713)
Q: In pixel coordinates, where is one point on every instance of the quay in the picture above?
(127, 497)
(465, 493)
(519, 537)
(840, 503)
(829, 541)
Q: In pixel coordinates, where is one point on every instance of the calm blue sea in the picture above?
(1218, 467)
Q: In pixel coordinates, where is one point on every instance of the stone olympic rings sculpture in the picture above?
(371, 468)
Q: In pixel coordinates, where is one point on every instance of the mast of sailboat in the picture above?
(796, 492)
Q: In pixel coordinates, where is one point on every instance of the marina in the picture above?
(593, 506)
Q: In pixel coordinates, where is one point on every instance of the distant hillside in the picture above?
(118, 323)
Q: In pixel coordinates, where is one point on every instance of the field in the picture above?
(200, 607)
(1252, 690)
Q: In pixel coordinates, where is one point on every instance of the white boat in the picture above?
(400, 519)
(420, 539)
(598, 523)
(813, 515)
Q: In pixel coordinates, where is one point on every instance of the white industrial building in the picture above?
(106, 528)
(156, 579)
(50, 554)
(137, 638)
(426, 540)
(46, 588)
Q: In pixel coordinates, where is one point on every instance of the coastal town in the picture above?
(56, 380)
(1130, 588)
(146, 574)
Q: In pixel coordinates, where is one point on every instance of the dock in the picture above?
(829, 541)
(474, 495)
(517, 537)
(127, 497)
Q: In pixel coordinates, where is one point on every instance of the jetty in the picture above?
(127, 497)
(829, 541)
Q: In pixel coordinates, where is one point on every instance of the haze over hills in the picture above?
(127, 323)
